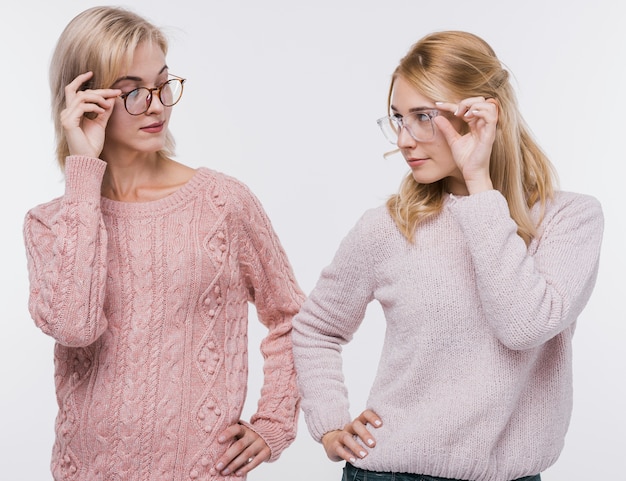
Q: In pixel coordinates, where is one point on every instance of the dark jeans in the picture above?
(350, 473)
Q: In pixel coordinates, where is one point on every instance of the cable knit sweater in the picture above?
(475, 376)
(147, 303)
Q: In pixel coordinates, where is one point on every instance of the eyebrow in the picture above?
(138, 79)
(414, 109)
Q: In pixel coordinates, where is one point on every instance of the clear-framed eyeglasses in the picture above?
(138, 101)
(418, 124)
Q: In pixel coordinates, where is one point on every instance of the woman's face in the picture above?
(430, 161)
(131, 135)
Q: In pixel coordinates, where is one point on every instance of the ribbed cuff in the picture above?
(272, 435)
(83, 178)
(479, 210)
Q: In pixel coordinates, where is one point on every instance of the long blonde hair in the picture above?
(102, 40)
(454, 65)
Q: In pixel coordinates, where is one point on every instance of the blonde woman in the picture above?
(481, 267)
(142, 273)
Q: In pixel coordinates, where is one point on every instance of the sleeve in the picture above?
(327, 321)
(531, 294)
(277, 298)
(66, 246)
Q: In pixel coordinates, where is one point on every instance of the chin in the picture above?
(425, 179)
(152, 147)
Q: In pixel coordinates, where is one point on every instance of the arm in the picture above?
(66, 251)
(277, 297)
(532, 294)
(327, 321)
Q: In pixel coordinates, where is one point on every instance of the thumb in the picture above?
(446, 128)
(104, 117)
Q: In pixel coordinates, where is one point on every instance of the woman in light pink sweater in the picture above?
(142, 273)
(481, 268)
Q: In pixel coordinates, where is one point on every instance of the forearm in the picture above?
(66, 253)
(318, 360)
(530, 294)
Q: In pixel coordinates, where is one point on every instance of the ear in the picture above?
(496, 103)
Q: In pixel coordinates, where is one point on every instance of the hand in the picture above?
(472, 150)
(85, 116)
(343, 444)
(246, 452)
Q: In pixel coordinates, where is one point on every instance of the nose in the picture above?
(405, 139)
(155, 102)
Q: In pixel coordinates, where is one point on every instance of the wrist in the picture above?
(478, 186)
(326, 437)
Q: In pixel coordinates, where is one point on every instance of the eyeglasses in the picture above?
(138, 101)
(418, 124)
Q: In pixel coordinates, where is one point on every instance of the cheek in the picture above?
(440, 152)
(440, 146)
(119, 119)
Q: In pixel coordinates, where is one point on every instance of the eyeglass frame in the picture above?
(400, 123)
(156, 89)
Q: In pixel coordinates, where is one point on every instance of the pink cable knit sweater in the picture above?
(147, 303)
(475, 376)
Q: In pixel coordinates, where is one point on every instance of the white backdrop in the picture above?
(284, 96)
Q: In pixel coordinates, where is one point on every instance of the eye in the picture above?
(132, 95)
(422, 116)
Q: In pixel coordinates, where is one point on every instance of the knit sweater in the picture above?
(148, 304)
(475, 376)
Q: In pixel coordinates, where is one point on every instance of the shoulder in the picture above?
(376, 222)
(572, 204)
(374, 234)
(572, 214)
(45, 210)
(225, 187)
(224, 182)
(563, 197)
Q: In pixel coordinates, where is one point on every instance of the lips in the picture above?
(154, 128)
(416, 162)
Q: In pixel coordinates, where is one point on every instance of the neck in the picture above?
(456, 187)
(127, 180)
(144, 179)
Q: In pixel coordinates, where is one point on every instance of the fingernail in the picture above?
(219, 466)
(352, 460)
(226, 471)
(377, 422)
(362, 454)
(370, 442)
(438, 103)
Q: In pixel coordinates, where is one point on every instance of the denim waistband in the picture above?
(351, 473)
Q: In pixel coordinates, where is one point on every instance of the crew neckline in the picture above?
(158, 206)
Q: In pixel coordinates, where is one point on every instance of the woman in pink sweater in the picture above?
(481, 267)
(142, 272)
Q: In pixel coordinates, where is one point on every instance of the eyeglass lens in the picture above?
(138, 101)
(418, 124)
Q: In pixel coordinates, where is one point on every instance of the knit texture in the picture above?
(148, 304)
(475, 376)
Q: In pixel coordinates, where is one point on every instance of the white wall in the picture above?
(284, 95)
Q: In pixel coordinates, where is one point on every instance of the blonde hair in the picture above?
(454, 65)
(101, 40)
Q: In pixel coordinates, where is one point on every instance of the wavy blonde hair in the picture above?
(454, 65)
(102, 40)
